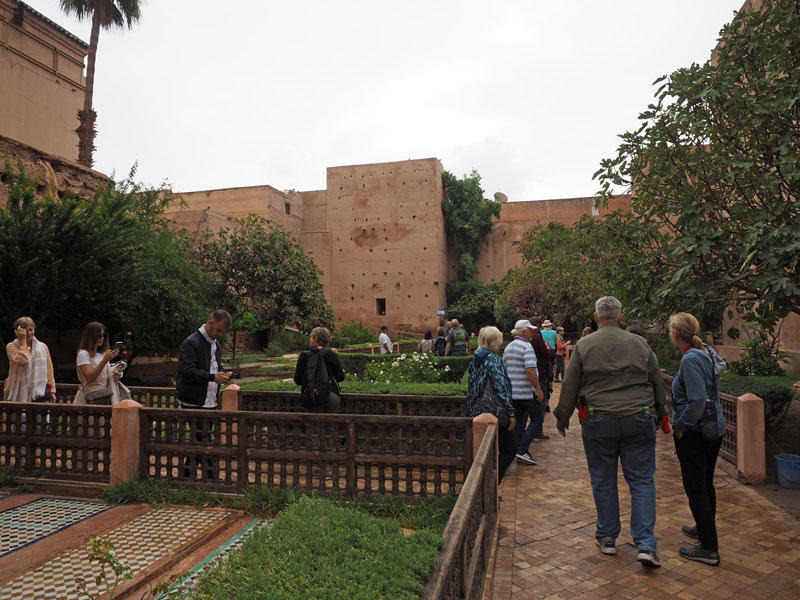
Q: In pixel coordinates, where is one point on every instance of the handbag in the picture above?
(489, 402)
(708, 422)
(101, 396)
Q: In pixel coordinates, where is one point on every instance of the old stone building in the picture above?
(41, 80)
(377, 233)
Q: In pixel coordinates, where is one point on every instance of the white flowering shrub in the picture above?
(407, 368)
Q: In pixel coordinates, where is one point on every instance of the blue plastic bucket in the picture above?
(788, 470)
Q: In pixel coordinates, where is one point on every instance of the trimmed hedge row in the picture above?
(354, 364)
(777, 398)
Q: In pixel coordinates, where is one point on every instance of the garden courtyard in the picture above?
(543, 546)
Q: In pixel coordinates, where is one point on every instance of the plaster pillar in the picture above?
(230, 398)
(479, 426)
(751, 462)
(125, 442)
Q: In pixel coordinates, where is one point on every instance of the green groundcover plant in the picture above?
(317, 550)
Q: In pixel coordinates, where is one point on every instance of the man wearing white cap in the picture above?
(526, 394)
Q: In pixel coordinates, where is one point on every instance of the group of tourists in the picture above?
(614, 381)
(451, 340)
(31, 377)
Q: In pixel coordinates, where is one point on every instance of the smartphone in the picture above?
(118, 346)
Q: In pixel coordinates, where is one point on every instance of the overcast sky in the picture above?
(207, 94)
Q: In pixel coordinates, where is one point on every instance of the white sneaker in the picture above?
(526, 458)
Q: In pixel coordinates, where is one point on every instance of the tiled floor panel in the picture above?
(138, 544)
(23, 525)
(188, 583)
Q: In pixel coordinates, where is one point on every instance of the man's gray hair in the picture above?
(608, 308)
(221, 315)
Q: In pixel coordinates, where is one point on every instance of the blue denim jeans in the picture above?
(631, 440)
(524, 432)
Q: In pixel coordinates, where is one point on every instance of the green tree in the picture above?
(468, 220)
(564, 270)
(259, 269)
(67, 261)
(472, 303)
(105, 14)
(714, 170)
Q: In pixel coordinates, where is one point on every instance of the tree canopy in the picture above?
(259, 269)
(563, 271)
(67, 261)
(714, 172)
(468, 220)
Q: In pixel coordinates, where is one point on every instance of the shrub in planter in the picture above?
(422, 368)
(777, 398)
(351, 333)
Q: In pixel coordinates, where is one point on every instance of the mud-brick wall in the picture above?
(388, 246)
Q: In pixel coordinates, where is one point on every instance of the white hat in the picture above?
(523, 324)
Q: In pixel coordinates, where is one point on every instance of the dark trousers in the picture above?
(507, 449)
(698, 459)
(559, 367)
(188, 471)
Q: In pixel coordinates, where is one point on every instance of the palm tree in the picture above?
(106, 14)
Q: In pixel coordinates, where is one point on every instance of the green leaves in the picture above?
(259, 269)
(468, 219)
(67, 261)
(714, 170)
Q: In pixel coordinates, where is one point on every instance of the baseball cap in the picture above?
(523, 324)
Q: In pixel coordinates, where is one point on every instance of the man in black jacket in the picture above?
(200, 374)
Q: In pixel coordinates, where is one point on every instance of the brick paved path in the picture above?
(546, 547)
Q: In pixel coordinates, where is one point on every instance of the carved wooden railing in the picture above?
(460, 569)
(349, 454)
(56, 441)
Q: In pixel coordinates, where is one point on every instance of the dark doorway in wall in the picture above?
(380, 306)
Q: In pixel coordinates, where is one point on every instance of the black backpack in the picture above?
(439, 346)
(316, 381)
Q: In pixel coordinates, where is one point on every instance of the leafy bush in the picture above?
(351, 333)
(777, 397)
(759, 357)
(406, 368)
(415, 367)
(315, 549)
(355, 386)
(281, 341)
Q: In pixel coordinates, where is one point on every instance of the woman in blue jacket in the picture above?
(695, 383)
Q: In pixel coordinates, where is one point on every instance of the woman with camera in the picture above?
(94, 372)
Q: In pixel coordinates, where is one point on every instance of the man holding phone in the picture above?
(200, 373)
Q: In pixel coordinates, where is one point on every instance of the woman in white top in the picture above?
(94, 355)
(30, 367)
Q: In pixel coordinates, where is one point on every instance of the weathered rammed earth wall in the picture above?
(55, 174)
(41, 80)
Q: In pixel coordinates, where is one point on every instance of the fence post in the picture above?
(230, 398)
(125, 441)
(479, 426)
(750, 446)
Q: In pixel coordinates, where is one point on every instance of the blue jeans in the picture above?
(522, 410)
(631, 440)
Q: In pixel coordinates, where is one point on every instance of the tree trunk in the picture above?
(87, 116)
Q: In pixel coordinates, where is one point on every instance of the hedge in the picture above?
(354, 364)
(777, 398)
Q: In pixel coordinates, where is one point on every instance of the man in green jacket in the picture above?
(616, 375)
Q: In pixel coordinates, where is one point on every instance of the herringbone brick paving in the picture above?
(546, 543)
